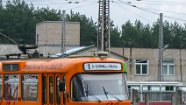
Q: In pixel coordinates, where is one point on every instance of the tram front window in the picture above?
(98, 87)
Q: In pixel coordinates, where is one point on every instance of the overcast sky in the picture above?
(147, 11)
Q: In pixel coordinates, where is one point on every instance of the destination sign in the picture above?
(102, 66)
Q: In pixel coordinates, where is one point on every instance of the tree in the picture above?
(128, 33)
(46, 14)
(88, 31)
(18, 20)
(115, 40)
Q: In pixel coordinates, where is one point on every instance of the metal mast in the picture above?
(161, 48)
(63, 45)
(1, 3)
(103, 38)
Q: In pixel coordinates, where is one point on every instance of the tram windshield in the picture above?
(98, 87)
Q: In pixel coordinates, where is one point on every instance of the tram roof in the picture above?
(53, 64)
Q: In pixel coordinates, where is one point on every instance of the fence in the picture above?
(157, 98)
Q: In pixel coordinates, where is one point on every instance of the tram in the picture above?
(63, 81)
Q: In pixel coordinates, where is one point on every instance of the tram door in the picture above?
(50, 89)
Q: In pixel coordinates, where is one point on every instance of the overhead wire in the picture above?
(156, 1)
(147, 10)
(174, 18)
(158, 14)
(165, 11)
(144, 10)
(66, 3)
(155, 12)
(70, 2)
(53, 2)
(79, 6)
(133, 13)
(132, 5)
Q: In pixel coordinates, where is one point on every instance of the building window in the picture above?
(167, 92)
(168, 67)
(151, 88)
(141, 67)
(168, 88)
(136, 87)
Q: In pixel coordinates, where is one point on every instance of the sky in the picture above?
(147, 11)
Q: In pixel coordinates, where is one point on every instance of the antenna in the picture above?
(103, 37)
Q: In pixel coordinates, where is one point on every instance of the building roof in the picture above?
(9, 49)
(57, 22)
(77, 50)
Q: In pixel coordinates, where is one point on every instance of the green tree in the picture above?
(177, 35)
(147, 39)
(136, 35)
(46, 14)
(128, 34)
(88, 31)
(17, 21)
(115, 40)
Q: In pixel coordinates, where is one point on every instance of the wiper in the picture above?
(115, 97)
(86, 91)
(105, 92)
(97, 98)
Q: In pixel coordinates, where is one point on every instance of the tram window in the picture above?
(44, 90)
(92, 87)
(11, 87)
(10, 67)
(51, 83)
(30, 87)
(57, 90)
(0, 86)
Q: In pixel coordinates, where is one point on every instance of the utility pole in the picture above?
(181, 71)
(1, 3)
(103, 37)
(63, 44)
(160, 45)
